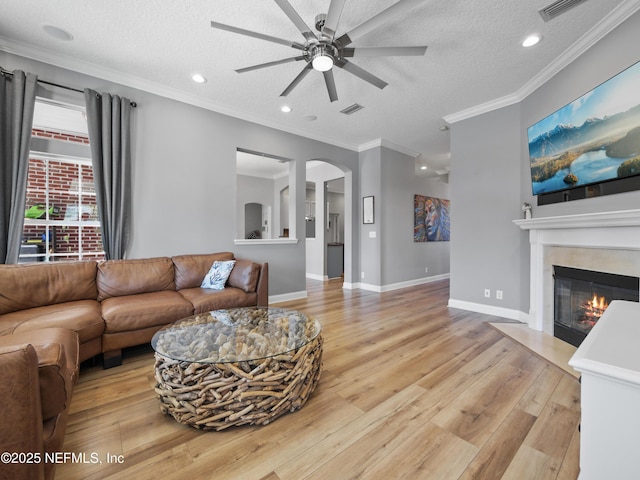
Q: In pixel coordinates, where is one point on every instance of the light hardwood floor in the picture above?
(410, 389)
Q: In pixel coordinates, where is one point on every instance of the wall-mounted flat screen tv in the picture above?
(593, 139)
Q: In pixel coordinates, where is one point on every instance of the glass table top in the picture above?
(235, 335)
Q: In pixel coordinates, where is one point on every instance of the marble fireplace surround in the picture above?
(605, 242)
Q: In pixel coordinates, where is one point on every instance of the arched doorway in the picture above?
(329, 190)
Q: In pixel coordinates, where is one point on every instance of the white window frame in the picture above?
(48, 222)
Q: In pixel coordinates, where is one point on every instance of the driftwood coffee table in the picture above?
(242, 366)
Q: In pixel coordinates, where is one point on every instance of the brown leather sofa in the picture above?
(55, 315)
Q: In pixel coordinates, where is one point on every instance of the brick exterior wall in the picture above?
(64, 178)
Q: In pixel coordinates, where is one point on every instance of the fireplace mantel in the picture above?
(614, 235)
(622, 218)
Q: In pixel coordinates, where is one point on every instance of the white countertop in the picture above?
(612, 347)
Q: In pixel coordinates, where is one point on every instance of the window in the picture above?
(61, 216)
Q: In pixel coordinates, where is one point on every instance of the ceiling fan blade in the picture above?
(297, 80)
(261, 36)
(270, 64)
(333, 17)
(374, 22)
(331, 85)
(383, 51)
(361, 73)
(296, 19)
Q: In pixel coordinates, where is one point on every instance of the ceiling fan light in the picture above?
(322, 63)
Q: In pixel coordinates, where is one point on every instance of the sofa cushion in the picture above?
(244, 275)
(217, 276)
(40, 284)
(117, 278)
(57, 352)
(206, 299)
(21, 426)
(135, 312)
(83, 317)
(191, 269)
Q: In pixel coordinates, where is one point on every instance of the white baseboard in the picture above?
(396, 286)
(286, 297)
(314, 276)
(489, 310)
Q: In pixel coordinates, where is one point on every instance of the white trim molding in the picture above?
(381, 142)
(488, 310)
(265, 241)
(287, 297)
(399, 285)
(620, 218)
(315, 276)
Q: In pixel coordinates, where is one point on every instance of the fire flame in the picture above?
(599, 303)
(593, 309)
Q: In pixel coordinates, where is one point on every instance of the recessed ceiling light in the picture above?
(198, 78)
(310, 118)
(444, 128)
(531, 40)
(57, 32)
(285, 108)
(424, 167)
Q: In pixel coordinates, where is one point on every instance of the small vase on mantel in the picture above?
(526, 208)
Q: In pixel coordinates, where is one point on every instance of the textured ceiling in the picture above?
(474, 58)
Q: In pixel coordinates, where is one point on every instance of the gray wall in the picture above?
(486, 247)
(184, 180)
(393, 257)
(402, 258)
(490, 177)
(370, 250)
(254, 190)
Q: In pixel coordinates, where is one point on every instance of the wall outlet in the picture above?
(372, 234)
(361, 274)
(499, 294)
(487, 293)
(426, 269)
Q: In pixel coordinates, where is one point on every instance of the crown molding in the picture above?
(584, 43)
(103, 73)
(381, 142)
(86, 68)
(483, 108)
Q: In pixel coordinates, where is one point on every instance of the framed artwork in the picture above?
(367, 210)
(431, 219)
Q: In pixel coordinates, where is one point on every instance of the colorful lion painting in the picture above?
(431, 219)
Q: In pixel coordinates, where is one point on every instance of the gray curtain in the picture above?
(108, 118)
(17, 101)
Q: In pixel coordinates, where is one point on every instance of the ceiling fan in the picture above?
(324, 50)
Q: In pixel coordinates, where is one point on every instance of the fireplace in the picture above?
(600, 241)
(582, 296)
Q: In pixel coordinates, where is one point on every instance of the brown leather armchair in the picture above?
(39, 369)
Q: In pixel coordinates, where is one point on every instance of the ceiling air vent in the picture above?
(558, 8)
(351, 109)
